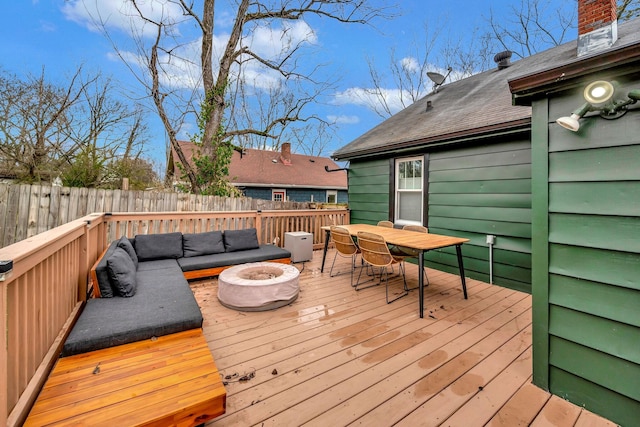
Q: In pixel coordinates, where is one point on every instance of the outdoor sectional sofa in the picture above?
(137, 354)
(143, 289)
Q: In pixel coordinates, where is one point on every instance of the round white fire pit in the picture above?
(258, 286)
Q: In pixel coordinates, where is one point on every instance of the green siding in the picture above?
(599, 399)
(519, 171)
(587, 289)
(480, 190)
(369, 191)
(618, 233)
(588, 296)
(578, 359)
(539, 242)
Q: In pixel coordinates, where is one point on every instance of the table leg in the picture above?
(421, 283)
(461, 268)
(327, 236)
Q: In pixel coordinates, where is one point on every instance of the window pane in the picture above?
(410, 175)
(409, 206)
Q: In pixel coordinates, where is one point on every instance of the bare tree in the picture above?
(76, 131)
(35, 118)
(532, 26)
(214, 93)
(628, 9)
(105, 131)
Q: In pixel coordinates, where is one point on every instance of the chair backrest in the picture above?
(374, 249)
(418, 228)
(387, 224)
(343, 241)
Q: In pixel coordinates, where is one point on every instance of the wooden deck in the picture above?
(340, 357)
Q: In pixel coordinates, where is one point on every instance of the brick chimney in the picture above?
(285, 155)
(597, 25)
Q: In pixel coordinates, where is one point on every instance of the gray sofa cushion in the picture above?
(163, 305)
(125, 244)
(102, 272)
(157, 264)
(206, 243)
(263, 253)
(122, 273)
(240, 240)
(158, 246)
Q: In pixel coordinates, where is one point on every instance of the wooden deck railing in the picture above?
(271, 225)
(41, 298)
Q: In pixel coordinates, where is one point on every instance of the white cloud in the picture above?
(410, 64)
(120, 14)
(372, 98)
(344, 120)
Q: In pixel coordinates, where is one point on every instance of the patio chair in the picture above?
(345, 247)
(394, 250)
(414, 253)
(375, 253)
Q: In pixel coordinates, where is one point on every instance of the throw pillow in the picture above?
(122, 273)
(240, 240)
(206, 243)
(158, 246)
(125, 244)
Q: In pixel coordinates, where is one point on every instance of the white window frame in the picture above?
(275, 192)
(332, 193)
(398, 191)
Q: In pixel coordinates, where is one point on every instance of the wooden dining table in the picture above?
(421, 242)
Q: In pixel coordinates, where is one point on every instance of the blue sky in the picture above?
(55, 35)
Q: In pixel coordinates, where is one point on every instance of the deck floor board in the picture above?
(340, 357)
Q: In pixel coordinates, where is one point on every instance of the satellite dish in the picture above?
(437, 78)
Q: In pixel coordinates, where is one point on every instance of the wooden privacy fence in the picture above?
(27, 210)
(41, 298)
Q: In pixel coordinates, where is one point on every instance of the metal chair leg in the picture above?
(404, 287)
(426, 281)
(353, 267)
(367, 281)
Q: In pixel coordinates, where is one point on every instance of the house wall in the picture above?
(473, 191)
(369, 191)
(586, 265)
(479, 191)
(295, 195)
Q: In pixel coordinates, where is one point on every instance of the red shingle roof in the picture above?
(261, 168)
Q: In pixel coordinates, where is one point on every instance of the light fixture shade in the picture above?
(598, 93)
(570, 123)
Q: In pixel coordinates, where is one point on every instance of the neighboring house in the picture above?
(475, 159)
(282, 175)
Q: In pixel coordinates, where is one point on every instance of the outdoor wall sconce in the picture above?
(599, 97)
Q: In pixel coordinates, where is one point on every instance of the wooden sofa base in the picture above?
(170, 380)
(212, 272)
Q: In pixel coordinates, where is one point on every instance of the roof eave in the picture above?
(490, 131)
(526, 88)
